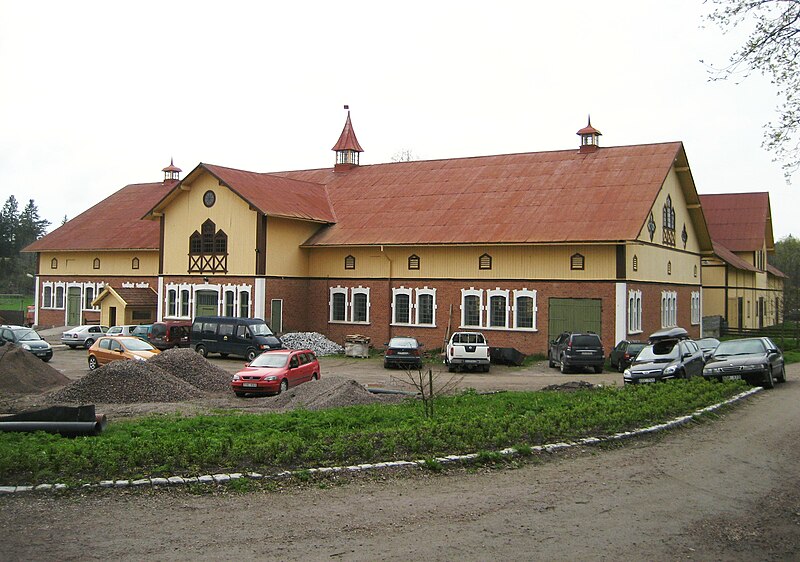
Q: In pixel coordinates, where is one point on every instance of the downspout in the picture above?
(389, 290)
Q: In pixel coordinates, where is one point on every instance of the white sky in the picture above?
(97, 95)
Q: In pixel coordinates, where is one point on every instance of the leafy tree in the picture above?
(404, 155)
(772, 49)
(787, 259)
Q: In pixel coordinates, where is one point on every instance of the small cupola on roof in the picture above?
(590, 138)
(171, 173)
(347, 147)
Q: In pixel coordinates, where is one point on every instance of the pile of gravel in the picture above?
(125, 382)
(570, 386)
(327, 392)
(193, 368)
(21, 372)
(314, 341)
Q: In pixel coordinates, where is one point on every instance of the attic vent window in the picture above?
(635, 263)
(695, 271)
(96, 263)
(684, 236)
(669, 268)
(54, 263)
(668, 221)
(135, 263)
(485, 262)
(576, 262)
(413, 261)
(350, 262)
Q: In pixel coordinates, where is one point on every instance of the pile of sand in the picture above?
(21, 372)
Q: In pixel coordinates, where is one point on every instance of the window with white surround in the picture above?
(695, 307)
(498, 308)
(349, 305)
(172, 300)
(59, 296)
(185, 303)
(425, 307)
(47, 295)
(634, 312)
(244, 304)
(179, 299)
(669, 309)
(471, 307)
(230, 303)
(401, 306)
(524, 309)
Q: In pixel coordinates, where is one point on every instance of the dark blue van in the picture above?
(227, 335)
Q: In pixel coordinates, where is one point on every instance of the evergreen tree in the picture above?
(9, 220)
(30, 226)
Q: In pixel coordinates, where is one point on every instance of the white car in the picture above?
(83, 336)
(467, 350)
(126, 330)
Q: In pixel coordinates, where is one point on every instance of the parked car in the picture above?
(83, 336)
(226, 335)
(28, 339)
(126, 330)
(142, 331)
(670, 355)
(403, 352)
(757, 360)
(624, 353)
(576, 351)
(276, 371)
(467, 350)
(170, 333)
(116, 348)
(707, 345)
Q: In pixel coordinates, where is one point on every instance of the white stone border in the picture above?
(223, 478)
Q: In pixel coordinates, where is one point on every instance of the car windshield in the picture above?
(661, 352)
(739, 347)
(403, 342)
(270, 360)
(260, 330)
(26, 334)
(138, 345)
(708, 343)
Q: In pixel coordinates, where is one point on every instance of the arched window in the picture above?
(485, 262)
(349, 262)
(96, 263)
(668, 221)
(54, 263)
(135, 263)
(635, 262)
(208, 249)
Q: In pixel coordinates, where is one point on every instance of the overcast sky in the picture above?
(97, 95)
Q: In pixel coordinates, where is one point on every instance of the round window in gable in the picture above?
(209, 198)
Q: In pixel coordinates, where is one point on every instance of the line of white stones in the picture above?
(223, 478)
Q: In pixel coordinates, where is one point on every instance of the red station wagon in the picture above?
(273, 372)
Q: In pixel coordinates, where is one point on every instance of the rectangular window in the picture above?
(59, 297)
(338, 306)
(88, 297)
(472, 310)
(359, 307)
(185, 303)
(172, 295)
(229, 303)
(497, 311)
(47, 297)
(425, 308)
(402, 309)
(244, 304)
(634, 312)
(524, 312)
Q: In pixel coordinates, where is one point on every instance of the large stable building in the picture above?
(520, 246)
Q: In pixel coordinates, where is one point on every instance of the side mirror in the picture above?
(422, 345)
(386, 344)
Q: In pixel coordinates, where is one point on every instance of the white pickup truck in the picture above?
(467, 350)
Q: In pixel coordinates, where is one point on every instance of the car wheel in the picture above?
(385, 365)
(284, 386)
(486, 368)
(46, 359)
(92, 362)
(598, 369)
(550, 362)
(71, 346)
(782, 377)
(451, 368)
(621, 367)
(769, 381)
(315, 377)
(88, 343)
(239, 394)
(251, 354)
(201, 349)
(564, 369)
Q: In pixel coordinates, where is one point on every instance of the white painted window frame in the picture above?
(425, 291)
(497, 292)
(472, 292)
(397, 291)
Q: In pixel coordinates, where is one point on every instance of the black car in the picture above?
(28, 339)
(708, 345)
(577, 350)
(403, 352)
(625, 352)
(670, 355)
(757, 360)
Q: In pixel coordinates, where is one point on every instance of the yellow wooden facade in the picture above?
(127, 263)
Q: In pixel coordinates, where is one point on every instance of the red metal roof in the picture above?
(726, 255)
(347, 140)
(113, 224)
(276, 195)
(739, 221)
(135, 296)
(562, 196)
(776, 272)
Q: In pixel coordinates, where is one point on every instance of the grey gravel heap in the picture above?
(125, 382)
(327, 392)
(314, 341)
(193, 368)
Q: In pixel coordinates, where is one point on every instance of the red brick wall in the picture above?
(651, 307)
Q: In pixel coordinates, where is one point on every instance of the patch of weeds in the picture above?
(433, 465)
(302, 475)
(523, 450)
(490, 457)
(241, 485)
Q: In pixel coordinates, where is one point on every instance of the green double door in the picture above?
(206, 303)
(575, 315)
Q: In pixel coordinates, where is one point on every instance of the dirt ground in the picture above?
(724, 489)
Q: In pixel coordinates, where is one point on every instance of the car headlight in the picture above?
(137, 358)
(671, 369)
(25, 346)
(627, 373)
(270, 378)
(236, 377)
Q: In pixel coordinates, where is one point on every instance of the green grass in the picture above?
(15, 302)
(267, 443)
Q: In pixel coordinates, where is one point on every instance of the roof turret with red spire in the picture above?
(171, 173)
(590, 138)
(347, 147)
